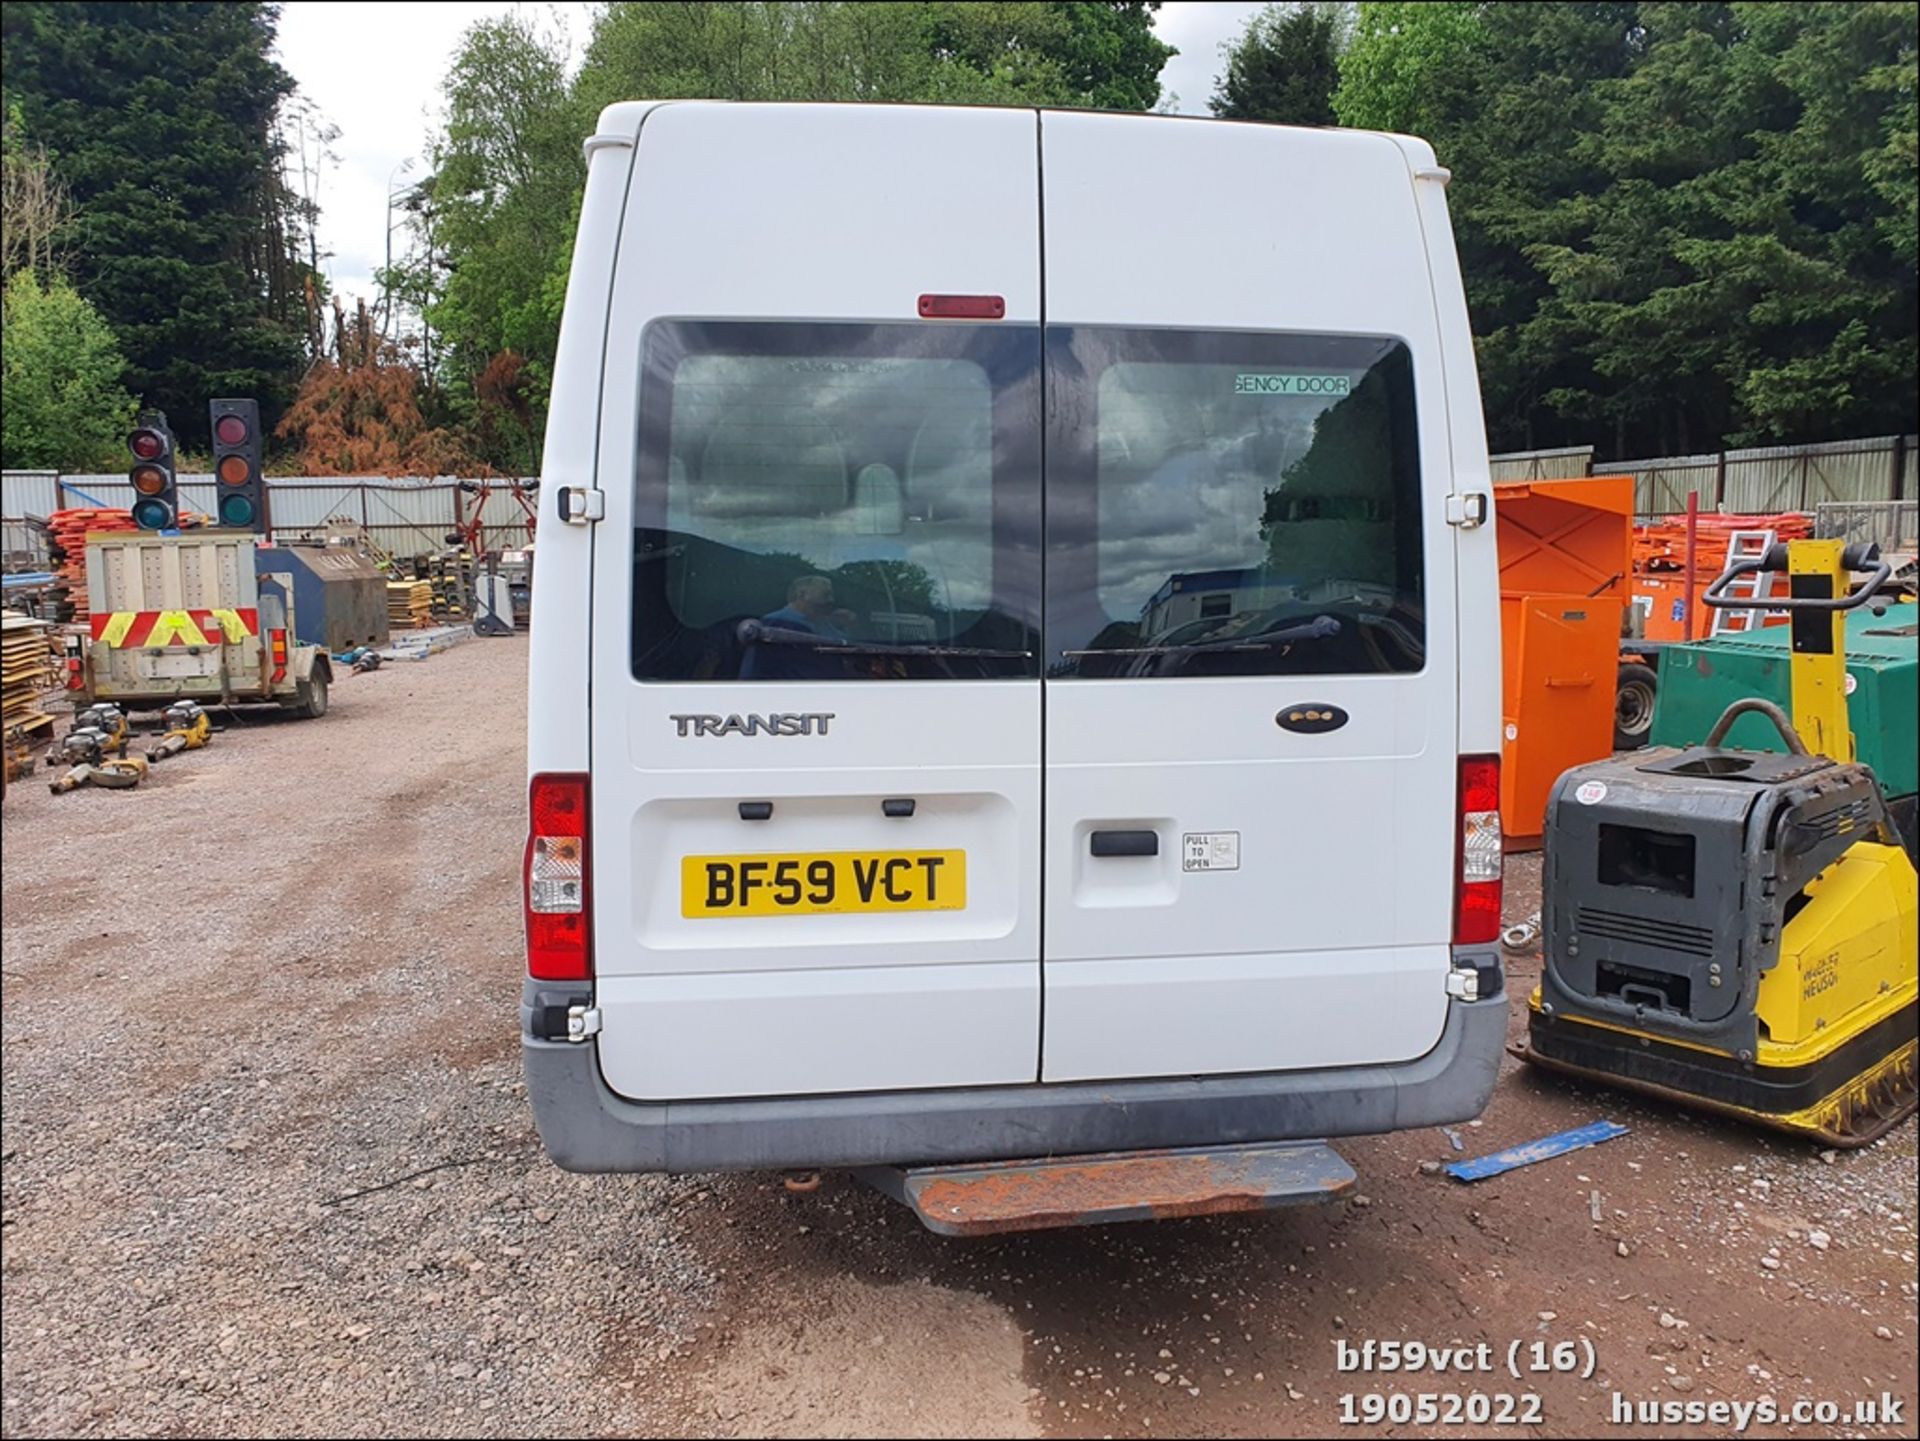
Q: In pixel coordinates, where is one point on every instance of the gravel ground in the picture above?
(268, 1169)
(279, 974)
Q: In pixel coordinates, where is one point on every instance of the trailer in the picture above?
(196, 615)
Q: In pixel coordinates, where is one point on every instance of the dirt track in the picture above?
(245, 1000)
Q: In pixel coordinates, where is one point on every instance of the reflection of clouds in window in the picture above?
(1184, 467)
(839, 462)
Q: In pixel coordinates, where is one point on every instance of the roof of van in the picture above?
(620, 122)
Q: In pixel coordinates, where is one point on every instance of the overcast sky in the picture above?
(374, 69)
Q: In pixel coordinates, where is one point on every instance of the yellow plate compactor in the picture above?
(1736, 930)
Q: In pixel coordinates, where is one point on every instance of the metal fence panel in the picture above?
(1774, 478)
(1567, 463)
(310, 505)
(405, 516)
(196, 491)
(1894, 525)
(1803, 477)
(27, 492)
(1660, 486)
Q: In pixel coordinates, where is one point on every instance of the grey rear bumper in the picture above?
(586, 1127)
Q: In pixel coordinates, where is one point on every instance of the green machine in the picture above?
(1700, 680)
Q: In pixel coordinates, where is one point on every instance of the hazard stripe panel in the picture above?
(133, 629)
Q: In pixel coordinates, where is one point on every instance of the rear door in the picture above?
(1251, 677)
(816, 706)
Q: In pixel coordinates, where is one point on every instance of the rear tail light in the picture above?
(277, 648)
(1476, 903)
(555, 874)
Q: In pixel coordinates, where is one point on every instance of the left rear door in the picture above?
(816, 602)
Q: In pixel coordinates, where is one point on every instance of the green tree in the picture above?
(1681, 224)
(1283, 68)
(1410, 65)
(1107, 54)
(501, 208)
(159, 121)
(1089, 54)
(65, 407)
(494, 223)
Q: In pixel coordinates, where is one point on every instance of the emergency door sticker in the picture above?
(1591, 793)
(1210, 851)
(1853, 683)
(1292, 384)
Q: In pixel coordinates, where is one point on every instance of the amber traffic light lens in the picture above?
(234, 470)
(149, 479)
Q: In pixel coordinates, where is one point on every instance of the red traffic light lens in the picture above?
(148, 479)
(234, 470)
(230, 430)
(147, 444)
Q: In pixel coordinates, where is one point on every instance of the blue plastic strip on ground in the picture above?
(1544, 1149)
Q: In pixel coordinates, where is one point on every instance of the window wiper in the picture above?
(753, 632)
(1321, 627)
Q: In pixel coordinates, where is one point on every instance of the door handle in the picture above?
(1126, 843)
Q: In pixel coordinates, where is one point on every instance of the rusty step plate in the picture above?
(998, 1196)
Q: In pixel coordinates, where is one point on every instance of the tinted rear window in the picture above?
(837, 502)
(1221, 503)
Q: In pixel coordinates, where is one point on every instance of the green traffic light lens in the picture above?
(151, 514)
(236, 510)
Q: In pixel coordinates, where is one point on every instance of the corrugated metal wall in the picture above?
(1568, 463)
(1743, 482)
(405, 517)
(28, 492)
(1776, 478)
(411, 516)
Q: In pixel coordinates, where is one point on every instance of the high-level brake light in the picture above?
(963, 307)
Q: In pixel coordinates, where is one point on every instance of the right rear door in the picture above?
(1250, 697)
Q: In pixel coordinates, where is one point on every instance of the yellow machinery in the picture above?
(1738, 930)
(189, 727)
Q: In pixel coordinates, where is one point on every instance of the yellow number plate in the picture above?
(824, 883)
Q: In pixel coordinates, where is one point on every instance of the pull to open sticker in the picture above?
(1292, 385)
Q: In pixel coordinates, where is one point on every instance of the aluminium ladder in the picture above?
(1756, 585)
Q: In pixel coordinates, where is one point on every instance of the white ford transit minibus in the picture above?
(1015, 655)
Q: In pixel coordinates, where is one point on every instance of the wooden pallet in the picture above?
(409, 604)
(28, 669)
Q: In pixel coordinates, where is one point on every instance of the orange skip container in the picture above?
(1566, 572)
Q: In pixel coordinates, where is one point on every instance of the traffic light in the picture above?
(239, 483)
(156, 495)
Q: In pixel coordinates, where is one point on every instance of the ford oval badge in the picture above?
(1312, 717)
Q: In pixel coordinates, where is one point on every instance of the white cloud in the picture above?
(375, 69)
(1198, 28)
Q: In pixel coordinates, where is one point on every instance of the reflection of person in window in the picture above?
(810, 610)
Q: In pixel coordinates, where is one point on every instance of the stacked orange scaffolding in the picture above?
(1661, 586)
(67, 531)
